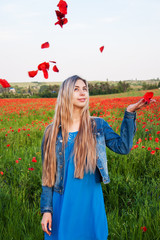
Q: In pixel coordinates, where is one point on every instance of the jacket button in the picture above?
(61, 178)
(60, 153)
(61, 166)
(60, 190)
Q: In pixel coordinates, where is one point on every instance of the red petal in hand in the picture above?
(101, 48)
(32, 73)
(147, 97)
(55, 69)
(45, 73)
(52, 61)
(59, 15)
(62, 5)
(45, 45)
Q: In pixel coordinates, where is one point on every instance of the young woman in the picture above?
(75, 163)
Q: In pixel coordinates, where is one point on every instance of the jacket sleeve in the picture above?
(46, 195)
(121, 144)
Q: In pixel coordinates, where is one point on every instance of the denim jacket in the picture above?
(105, 136)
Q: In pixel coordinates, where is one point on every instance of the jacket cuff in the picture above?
(44, 210)
(130, 114)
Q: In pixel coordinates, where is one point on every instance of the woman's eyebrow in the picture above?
(78, 86)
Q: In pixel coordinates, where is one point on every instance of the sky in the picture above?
(129, 30)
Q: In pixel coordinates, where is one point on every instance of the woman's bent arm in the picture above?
(121, 144)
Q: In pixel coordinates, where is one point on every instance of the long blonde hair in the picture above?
(85, 157)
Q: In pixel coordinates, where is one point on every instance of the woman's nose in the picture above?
(81, 92)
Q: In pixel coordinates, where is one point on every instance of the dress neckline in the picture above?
(73, 132)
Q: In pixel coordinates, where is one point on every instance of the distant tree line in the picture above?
(51, 91)
(103, 88)
(146, 86)
(94, 89)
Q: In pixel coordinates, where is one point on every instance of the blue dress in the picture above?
(78, 213)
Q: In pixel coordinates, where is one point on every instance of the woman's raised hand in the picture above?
(141, 103)
(46, 220)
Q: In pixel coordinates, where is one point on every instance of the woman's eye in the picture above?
(85, 89)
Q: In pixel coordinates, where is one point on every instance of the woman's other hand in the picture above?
(136, 106)
(46, 220)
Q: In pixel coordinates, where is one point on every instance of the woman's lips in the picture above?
(82, 100)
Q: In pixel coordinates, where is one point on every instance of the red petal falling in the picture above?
(55, 69)
(101, 48)
(32, 73)
(45, 45)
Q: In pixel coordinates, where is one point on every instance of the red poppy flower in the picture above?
(101, 48)
(1, 173)
(8, 145)
(55, 69)
(157, 148)
(34, 159)
(139, 140)
(59, 15)
(32, 73)
(62, 5)
(17, 161)
(149, 148)
(45, 45)
(31, 169)
(135, 146)
(61, 22)
(153, 152)
(147, 97)
(144, 229)
(52, 61)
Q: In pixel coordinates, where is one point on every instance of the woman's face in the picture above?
(80, 94)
